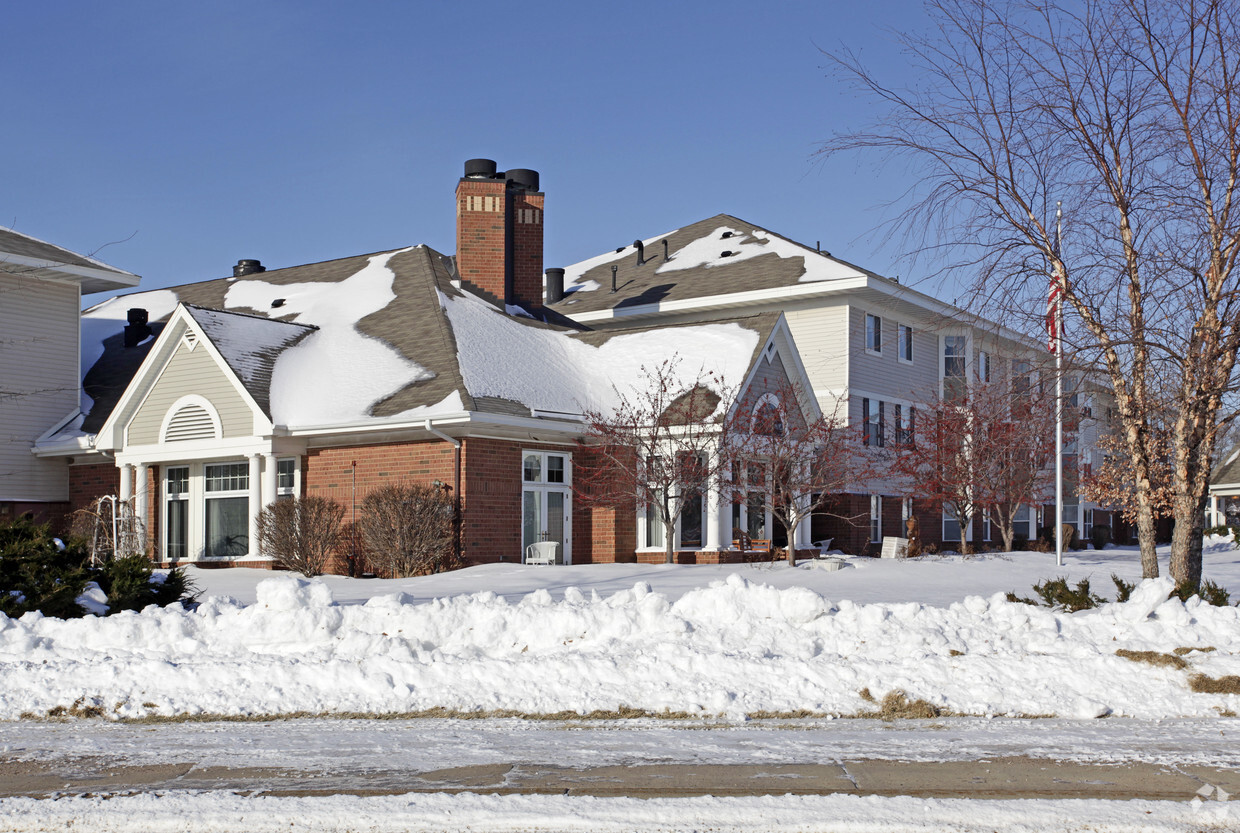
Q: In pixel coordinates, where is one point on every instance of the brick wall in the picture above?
(527, 248)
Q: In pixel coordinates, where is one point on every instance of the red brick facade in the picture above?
(496, 222)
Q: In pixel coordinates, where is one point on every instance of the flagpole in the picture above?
(1058, 340)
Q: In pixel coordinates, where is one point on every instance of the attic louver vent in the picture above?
(190, 338)
(192, 422)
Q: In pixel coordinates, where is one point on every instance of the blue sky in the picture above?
(293, 132)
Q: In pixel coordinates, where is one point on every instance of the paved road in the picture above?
(954, 758)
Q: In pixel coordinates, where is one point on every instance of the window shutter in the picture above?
(881, 424)
(865, 421)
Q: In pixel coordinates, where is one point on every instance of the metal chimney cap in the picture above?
(523, 178)
(480, 168)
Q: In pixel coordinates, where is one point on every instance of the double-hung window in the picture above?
(873, 334)
(876, 519)
(904, 424)
(954, 383)
(872, 422)
(176, 514)
(904, 346)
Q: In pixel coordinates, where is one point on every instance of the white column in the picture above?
(142, 500)
(269, 479)
(255, 503)
(1214, 521)
(713, 493)
(126, 481)
(802, 536)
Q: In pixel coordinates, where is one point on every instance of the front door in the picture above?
(546, 503)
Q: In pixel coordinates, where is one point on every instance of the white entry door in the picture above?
(546, 502)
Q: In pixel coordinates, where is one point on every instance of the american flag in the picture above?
(1053, 300)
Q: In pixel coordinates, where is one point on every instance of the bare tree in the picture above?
(804, 462)
(407, 529)
(301, 533)
(1126, 111)
(658, 448)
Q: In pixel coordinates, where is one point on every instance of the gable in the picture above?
(191, 372)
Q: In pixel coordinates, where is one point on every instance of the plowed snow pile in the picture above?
(733, 648)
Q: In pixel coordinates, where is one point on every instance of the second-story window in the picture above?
(873, 334)
(954, 384)
(983, 366)
(905, 343)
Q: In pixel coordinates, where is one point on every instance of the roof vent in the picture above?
(726, 235)
(665, 255)
(278, 302)
(137, 330)
(247, 267)
(641, 251)
(480, 169)
(555, 285)
(726, 253)
(613, 277)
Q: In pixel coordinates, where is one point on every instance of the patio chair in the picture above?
(542, 552)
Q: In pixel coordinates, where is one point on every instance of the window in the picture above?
(951, 526)
(873, 334)
(904, 425)
(1021, 523)
(176, 513)
(755, 511)
(872, 422)
(954, 383)
(985, 526)
(227, 509)
(904, 349)
(876, 519)
(654, 522)
(983, 366)
(286, 478)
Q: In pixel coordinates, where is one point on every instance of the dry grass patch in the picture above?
(1202, 684)
(797, 714)
(1153, 658)
(954, 653)
(897, 706)
(437, 713)
(1184, 649)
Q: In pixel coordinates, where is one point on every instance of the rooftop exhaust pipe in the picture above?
(555, 285)
(480, 169)
(613, 277)
(665, 255)
(641, 251)
(248, 267)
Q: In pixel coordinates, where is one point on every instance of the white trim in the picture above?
(870, 349)
(76, 272)
(185, 401)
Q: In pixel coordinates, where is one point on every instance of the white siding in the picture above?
(38, 382)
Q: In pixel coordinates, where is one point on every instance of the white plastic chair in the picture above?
(542, 552)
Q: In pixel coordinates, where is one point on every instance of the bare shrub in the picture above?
(300, 534)
(407, 529)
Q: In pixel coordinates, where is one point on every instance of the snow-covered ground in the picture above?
(707, 641)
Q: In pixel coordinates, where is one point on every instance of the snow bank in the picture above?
(228, 811)
(732, 648)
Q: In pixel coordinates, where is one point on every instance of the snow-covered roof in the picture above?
(717, 256)
(392, 335)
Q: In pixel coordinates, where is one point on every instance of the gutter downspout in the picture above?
(456, 499)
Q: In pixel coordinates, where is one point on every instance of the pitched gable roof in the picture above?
(697, 267)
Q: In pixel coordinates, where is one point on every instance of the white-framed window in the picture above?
(955, 385)
(546, 500)
(951, 526)
(227, 509)
(873, 422)
(286, 478)
(1022, 522)
(906, 510)
(176, 513)
(904, 343)
(873, 334)
(983, 366)
(985, 526)
(876, 519)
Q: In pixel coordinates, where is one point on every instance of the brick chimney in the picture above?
(499, 233)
